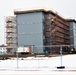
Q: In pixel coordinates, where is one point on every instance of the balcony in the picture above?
(47, 16)
(63, 22)
(11, 41)
(12, 46)
(11, 35)
(9, 26)
(11, 30)
(59, 40)
(8, 19)
(60, 35)
(47, 22)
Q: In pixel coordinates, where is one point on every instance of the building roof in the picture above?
(37, 10)
(71, 20)
(42, 10)
(2, 45)
(31, 10)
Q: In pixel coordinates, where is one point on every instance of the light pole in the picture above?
(38, 57)
(17, 57)
(61, 67)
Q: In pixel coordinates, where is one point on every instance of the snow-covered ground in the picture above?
(39, 65)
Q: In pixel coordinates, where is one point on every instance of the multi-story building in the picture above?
(3, 49)
(11, 34)
(39, 28)
(72, 24)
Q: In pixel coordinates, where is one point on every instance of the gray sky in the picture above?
(66, 8)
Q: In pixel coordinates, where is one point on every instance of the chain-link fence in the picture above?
(54, 49)
(49, 57)
(42, 57)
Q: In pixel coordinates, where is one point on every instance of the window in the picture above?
(3, 48)
(74, 32)
(74, 25)
(0, 48)
(74, 41)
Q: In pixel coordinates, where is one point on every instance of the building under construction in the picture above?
(11, 34)
(56, 31)
(47, 28)
(39, 28)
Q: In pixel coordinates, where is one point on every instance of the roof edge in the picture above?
(41, 10)
(71, 20)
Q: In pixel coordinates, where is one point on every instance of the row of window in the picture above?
(2, 48)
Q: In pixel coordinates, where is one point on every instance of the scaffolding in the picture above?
(56, 31)
(11, 34)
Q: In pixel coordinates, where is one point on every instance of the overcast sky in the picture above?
(66, 8)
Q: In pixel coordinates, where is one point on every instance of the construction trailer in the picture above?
(24, 50)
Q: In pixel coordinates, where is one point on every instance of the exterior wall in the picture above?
(73, 34)
(30, 30)
(57, 33)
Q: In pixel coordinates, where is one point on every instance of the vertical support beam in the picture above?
(17, 59)
(38, 57)
(61, 67)
(61, 54)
